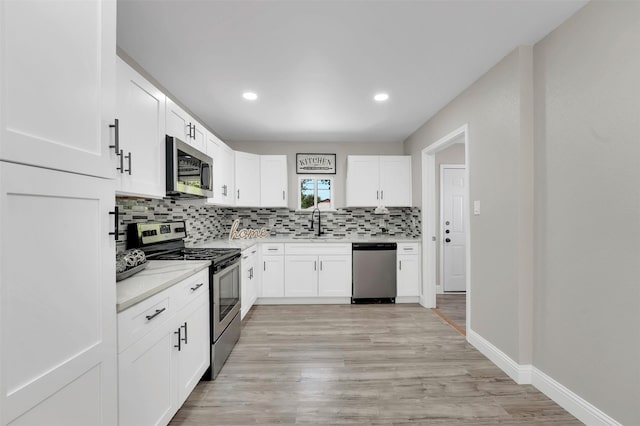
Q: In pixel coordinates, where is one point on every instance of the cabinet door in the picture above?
(193, 357)
(273, 181)
(57, 79)
(199, 136)
(228, 176)
(335, 276)
(301, 276)
(247, 179)
(362, 181)
(408, 276)
(177, 122)
(395, 180)
(213, 148)
(58, 320)
(146, 391)
(272, 276)
(140, 109)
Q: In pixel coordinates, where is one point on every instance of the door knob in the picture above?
(447, 240)
(446, 231)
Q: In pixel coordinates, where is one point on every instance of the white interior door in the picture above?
(454, 239)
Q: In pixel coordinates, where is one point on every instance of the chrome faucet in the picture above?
(319, 222)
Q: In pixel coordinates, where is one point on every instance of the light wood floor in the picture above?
(453, 307)
(361, 364)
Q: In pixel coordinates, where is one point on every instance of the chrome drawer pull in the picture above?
(158, 312)
(197, 287)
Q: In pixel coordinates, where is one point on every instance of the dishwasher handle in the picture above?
(374, 246)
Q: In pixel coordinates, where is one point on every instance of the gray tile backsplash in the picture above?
(205, 223)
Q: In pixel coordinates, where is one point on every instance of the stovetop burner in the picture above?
(165, 241)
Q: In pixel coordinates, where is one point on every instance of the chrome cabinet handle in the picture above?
(116, 139)
(283, 195)
(197, 287)
(264, 268)
(315, 265)
(184, 339)
(321, 265)
(238, 194)
(382, 194)
(400, 261)
(158, 312)
(179, 346)
(377, 195)
(129, 158)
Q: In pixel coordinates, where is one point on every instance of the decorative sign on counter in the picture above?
(317, 164)
(246, 233)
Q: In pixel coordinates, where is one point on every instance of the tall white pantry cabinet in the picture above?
(57, 278)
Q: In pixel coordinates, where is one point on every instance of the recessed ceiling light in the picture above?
(250, 96)
(381, 97)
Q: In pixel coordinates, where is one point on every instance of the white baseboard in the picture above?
(303, 301)
(521, 374)
(570, 401)
(407, 299)
(528, 374)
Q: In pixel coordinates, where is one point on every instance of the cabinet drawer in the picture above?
(184, 292)
(408, 248)
(271, 249)
(250, 251)
(139, 320)
(317, 248)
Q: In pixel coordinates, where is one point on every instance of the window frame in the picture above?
(316, 178)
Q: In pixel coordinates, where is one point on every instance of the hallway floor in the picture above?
(361, 364)
(454, 307)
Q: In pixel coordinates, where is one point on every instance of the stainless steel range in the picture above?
(165, 241)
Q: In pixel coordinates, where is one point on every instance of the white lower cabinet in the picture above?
(272, 279)
(317, 270)
(248, 280)
(57, 332)
(408, 273)
(163, 351)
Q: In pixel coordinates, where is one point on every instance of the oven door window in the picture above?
(229, 292)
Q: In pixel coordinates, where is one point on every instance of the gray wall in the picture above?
(587, 138)
(554, 156)
(493, 109)
(340, 149)
(451, 155)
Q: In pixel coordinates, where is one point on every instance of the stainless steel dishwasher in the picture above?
(374, 272)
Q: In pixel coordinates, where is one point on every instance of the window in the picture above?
(315, 193)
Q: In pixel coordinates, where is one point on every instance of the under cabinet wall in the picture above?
(205, 223)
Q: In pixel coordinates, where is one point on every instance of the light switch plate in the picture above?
(476, 207)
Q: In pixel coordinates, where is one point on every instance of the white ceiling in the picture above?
(316, 65)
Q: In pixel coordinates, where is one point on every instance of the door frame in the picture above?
(440, 227)
(429, 240)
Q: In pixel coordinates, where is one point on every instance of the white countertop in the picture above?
(244, 244)
(158, 275)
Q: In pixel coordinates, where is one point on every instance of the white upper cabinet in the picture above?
(223, 171)
(57, 69)
(363, 188)
(247, 170)
(140, 108)
(273, 181)
(395, 181)
(182, 126)
(378, 181)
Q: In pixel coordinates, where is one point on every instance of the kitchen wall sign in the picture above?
(316, 164)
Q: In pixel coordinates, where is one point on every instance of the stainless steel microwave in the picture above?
(189, 171)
